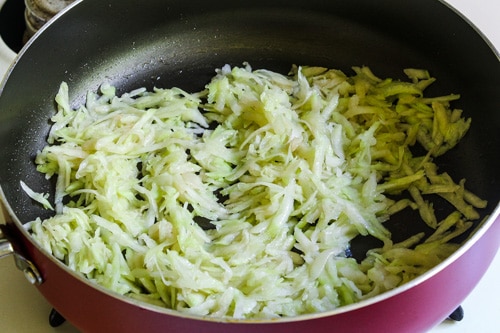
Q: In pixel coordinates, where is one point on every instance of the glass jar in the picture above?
(39, 12)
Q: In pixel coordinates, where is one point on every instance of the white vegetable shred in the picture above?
(242, 200)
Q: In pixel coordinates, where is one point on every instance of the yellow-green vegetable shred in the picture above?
(241, 200)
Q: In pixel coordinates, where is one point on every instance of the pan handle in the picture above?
(7, 248)
(30, 271)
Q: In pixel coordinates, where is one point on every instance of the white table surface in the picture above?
(23, 309)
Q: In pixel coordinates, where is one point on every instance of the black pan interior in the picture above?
(179, 43)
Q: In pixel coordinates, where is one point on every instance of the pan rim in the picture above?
(477, 234)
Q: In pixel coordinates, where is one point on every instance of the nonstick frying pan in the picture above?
(179, 43)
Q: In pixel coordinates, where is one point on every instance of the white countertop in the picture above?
(23, 309)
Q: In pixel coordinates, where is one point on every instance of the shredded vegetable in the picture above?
(242, 200)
